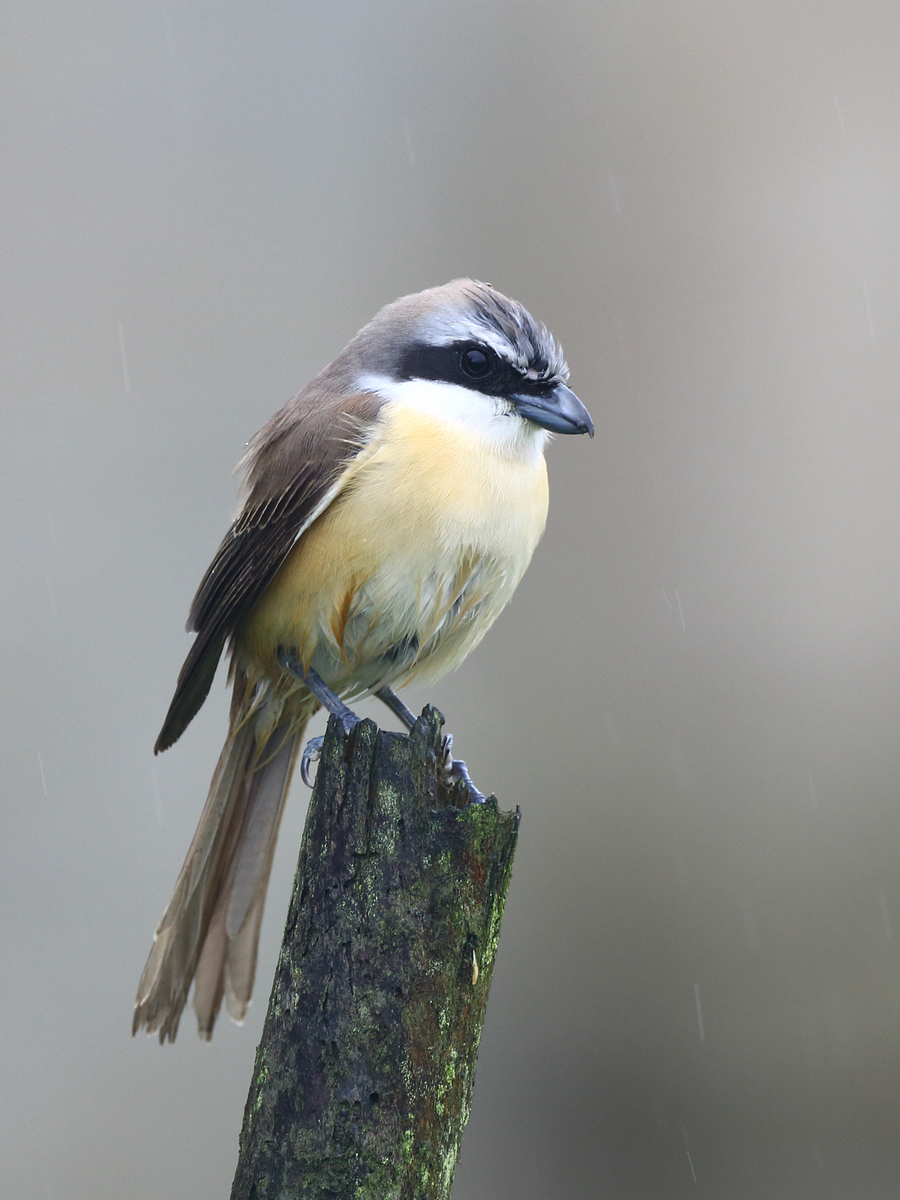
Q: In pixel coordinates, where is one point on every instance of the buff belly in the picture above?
(409, 566)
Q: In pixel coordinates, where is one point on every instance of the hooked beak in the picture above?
(560, 411)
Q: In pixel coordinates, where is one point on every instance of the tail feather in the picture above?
(210, 930)
(209, 978)
(241, 966)
(254, 856)
(231, 961)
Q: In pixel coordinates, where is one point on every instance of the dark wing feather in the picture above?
(291, 466)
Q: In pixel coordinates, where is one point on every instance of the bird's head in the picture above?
(467, 352)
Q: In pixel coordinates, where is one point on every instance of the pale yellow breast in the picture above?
(420, 551)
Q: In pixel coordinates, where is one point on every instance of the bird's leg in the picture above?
(326, 698)
(319, 689)
(451, 768)
(397, 707)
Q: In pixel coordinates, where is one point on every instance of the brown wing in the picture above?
(293, 469)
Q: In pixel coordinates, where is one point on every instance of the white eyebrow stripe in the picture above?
(462, 331)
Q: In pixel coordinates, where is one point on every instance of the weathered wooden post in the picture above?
(364, 1074)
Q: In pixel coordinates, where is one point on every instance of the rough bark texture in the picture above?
(364, 1074)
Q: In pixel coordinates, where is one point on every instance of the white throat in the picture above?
(490, 418)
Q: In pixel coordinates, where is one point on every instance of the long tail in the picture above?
(210, 929)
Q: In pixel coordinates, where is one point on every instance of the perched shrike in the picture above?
(388, 512)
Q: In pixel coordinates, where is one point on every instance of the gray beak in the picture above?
(560, 412)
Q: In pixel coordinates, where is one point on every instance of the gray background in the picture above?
(693, 696)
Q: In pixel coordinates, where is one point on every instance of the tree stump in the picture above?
(364, 1074)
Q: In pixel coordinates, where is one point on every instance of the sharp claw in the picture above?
(454, 770)
(310, 755)
(447, 752)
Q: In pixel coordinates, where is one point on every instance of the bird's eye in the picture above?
(476, 363)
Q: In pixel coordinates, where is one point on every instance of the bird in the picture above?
(387, 513)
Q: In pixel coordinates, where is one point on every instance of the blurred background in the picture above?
(693, 696)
